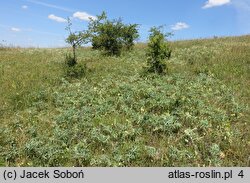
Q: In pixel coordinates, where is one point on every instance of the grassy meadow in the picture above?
(196, 115)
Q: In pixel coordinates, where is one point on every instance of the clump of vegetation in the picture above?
(73, 69)
(158, 50)
(112, 36)
(70, 61)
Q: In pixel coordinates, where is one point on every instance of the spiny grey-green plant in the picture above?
(114, 117)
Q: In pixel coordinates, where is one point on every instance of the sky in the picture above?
(41, 23)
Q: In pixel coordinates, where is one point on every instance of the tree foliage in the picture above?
(111, 36)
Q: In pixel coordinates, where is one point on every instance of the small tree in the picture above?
(75, 39)
(111, 36)
(158, 50)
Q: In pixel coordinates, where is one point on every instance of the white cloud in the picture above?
(14, 29)
(83, 16)
(213, 3)
(57, 19)
(49, 5)
(24, 7)
(180, 26)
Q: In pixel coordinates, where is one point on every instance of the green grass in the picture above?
(196, 115)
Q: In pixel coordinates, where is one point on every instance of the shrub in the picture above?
(72, 68)
(76, 71)
(158, 50)
(70, 61)
(111, 36)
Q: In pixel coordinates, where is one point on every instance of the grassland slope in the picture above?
(196, 115)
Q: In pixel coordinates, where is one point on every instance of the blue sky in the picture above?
(41, 23)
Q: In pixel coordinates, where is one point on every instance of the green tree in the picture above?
(111, 36)
(158, 50)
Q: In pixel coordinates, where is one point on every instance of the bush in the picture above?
(70, 61)
(158, 50)
(112, 36)
(74, 69)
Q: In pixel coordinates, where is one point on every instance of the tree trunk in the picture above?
(74, 53)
